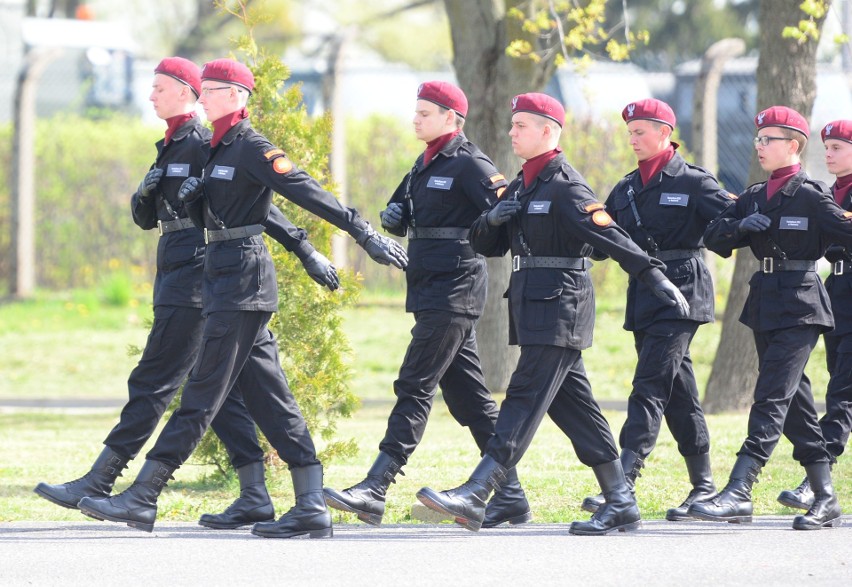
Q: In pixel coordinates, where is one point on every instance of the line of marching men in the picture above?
(215, 292)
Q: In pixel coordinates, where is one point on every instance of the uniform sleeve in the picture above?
(590, 221)
(144, 210)
(272, 168)
(398, 197)
(483, 184)
(291, 237)
(491, 241)
(721, 235)
(835, 223)
(714, 200)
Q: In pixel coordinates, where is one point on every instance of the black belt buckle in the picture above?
(516, 263)
(768, 265)
(837, 267)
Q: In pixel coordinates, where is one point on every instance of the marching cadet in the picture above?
(665, 205)
(788, 222)
(450, 185)
(551, 221)
(239, 293)
(176, 332)
(837, 420)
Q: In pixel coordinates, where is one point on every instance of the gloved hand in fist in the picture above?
(756, 222)
(149, 183)
(836, 253)
(392, 215)
(382, 250)
(190, 189)
(665, 290)
(321, 270)
(502, 212)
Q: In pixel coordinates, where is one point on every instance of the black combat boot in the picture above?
(630, 464)
(253, 504)
(619, 511)
(825, 511)
(309, 515)
(466, 503)
(97, 482)
(733, 504)
(136, 506)
(508, 504)
(703, 487)
(367, 498)
(801, 498)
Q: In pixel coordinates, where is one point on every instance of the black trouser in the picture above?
(551, 380)
(169, 354)
(442, 352)
(782, 397)
(837, 421)
(236, 347)
(664, 383)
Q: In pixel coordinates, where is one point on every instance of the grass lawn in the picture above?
(73, 348)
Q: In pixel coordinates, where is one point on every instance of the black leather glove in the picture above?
(321, 270)
(665, 290)
(382, 250)
(756, 222)
(502, 212)
(836, 253)
(392, 216)
(190, 189)
(149, 183)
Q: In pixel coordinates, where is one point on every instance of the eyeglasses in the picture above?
(206, 91)
(764, 141)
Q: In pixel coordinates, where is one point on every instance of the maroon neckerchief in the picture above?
(532, 167)
(779, 177)
(841, 188)
(226, 123)
(175, 122)
(435, 145)
(654, 164)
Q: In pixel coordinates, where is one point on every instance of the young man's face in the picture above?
(647, 138)
(529, 134)
(429, 122)
(169, 96)
(218, 99)
(838, 157)
(779, 152)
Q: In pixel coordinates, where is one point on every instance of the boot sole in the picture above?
(728, 519)
(233, 526)
(54, 500)
(131, 523)
(632, 526)
(796, 505)
(835, 523)
(513, 521)
(367, 517)
(321, 533)
(463, 521)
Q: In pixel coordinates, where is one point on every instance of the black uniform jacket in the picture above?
(560, 218)
(839, 288)
(452, 191)
(180, 254)
(239, 178)
(805, 220)
(674, 208)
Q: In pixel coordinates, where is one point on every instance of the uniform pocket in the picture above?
(214, 346)
(541, 303)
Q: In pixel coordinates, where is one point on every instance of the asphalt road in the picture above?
(767, 552)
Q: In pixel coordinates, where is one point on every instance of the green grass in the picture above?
(74, 347)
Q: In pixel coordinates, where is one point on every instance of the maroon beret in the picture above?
(540, 104)
(839, 129)
(783, 117)
(649, 109)
(183, 70)
(444, 94)
(228, 71)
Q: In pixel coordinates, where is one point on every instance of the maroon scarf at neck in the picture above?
(841, 188)
(778, 178)
(532, 167)
(435, 145)
(226, 123)
(653, 165)
(174, 123)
